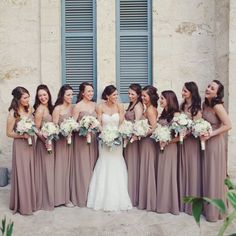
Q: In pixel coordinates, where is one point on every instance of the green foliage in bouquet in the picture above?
(6, 228)
(197, 206)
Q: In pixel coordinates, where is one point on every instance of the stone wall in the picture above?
(190, 42)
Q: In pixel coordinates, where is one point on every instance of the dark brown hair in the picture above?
(81, 90)
(61, 93)
(196, 99)
(152, 93)
(172, 105)
(37, 102)
(110, 89)
(138, 89)
(220, 95)
(15, 103)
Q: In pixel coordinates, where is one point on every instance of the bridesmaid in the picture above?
(167, 186)
(63, 152)
(148, 153)
(85, 155)
(215, 159)
(44, 167)
(131, 152)
(189, 166)
(23, 198)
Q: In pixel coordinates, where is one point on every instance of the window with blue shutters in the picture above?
(134, 44)
(78, 42)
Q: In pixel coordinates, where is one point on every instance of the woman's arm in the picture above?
(99, 112)
(121, 112)
(224, 118)
(55, 115)
(76, 111)
(138, 111)
(152, 118)
(11, 120)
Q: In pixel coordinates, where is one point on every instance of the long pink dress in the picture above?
(82, 165)
(167, 185)
(44, 169)
(148, 168)
(63, 155)
(190, 171)
(23, 197)
(132, 159)
(214, 167)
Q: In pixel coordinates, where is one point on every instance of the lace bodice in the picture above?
(112, 120)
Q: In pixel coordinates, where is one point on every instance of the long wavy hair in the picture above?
(37, 102)
(138, 89)
(172, 105)
(81, 90)
(219, 96)
(61, 93)
(196, 99)
(15, 103)
(152, 93)
(110, 89)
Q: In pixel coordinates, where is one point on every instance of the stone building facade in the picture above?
(191, 41)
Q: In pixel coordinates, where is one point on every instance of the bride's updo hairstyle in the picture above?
(152, 93)
(110, 89)
(15, 103)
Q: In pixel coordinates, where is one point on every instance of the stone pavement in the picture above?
(75, 221)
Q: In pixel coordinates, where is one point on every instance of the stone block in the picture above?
(3, 176)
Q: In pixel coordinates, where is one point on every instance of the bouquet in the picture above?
(126, 131)
(201, 127)
(49, 131)
(141, 128)
(26, 126)
(162, 133)
(67, 127)
(110, 137)
(87, 125)
(181, 124)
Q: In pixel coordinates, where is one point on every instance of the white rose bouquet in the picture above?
(200, 128)
(87, 125)
(162, 133)
(141, 128)
(49, 131)
(126, 131)
(110, 137)
(67, 127)
(181, 124)
(26, 126)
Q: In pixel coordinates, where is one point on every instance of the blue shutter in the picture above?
(78, 42)
(134, 52)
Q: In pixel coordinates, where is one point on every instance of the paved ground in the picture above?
(75, 221)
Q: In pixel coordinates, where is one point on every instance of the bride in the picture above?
(108, 189)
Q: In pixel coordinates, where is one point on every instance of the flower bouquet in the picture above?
(87, 125)
(49, 131)
(67, 127)
(26, 126)
(110, 137)
(201, 127)
(126, 131)
(162, 133)
(141, 128)
(181, 124)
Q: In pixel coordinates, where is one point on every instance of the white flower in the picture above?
(110, 136)
(201, 127)
(126, 129)
(88, 124)
(162, 133)
(68, 126)
(25, 125)
(50, 130)
(141, 128)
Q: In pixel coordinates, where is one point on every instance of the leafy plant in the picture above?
(6, 229)
(197, 206)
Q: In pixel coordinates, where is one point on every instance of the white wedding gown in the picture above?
(108, 188)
